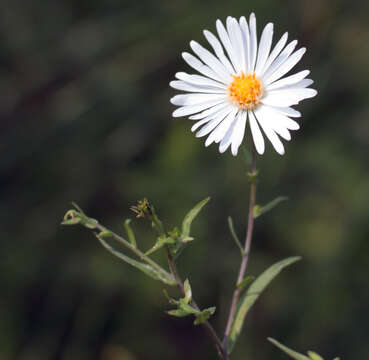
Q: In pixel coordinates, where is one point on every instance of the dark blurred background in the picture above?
(85, 116)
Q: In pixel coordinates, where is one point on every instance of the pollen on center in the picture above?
(245, 91)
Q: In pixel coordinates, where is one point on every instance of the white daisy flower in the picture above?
(243, 83)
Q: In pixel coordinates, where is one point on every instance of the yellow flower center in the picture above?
(245, 91)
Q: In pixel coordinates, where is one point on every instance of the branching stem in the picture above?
(209, 329)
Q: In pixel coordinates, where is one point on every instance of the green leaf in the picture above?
(293, 354)
(234, 235)
(105, 234)
(73, 217)
(160, 242)
(178, 313)
(314, 356)
(260, 210)
(337, 358)
(145, 268)
(248, 299)
(183, 305)
(204, 315)
(187, 221)
(130, 233)
(245, 282)
(188, 291)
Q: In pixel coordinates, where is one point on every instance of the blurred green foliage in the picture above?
(85, 116)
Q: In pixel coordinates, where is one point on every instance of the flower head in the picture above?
(242, 84)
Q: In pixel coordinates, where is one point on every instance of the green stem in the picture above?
(246, 251)
(209, 329)
(136, 251)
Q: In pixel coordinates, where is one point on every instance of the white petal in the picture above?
(264, 48)
(193, 109)
(275, 52)
(262, 118)
(223, 35)
(209, 59)
(288, 111)
(238, 132)
(227, 139)
(253, 41)
(300, 85)
(218, 134)
(181, 85)
(195, 99)
(213, 123)
(281, 58)
(257, 136)
(277, 117)
(246, 40)
(235, 37)
(210, 111)
(199, 80)
(196, 64)
(287, 97)
(286, 66)
(217, 47)
(290, 80)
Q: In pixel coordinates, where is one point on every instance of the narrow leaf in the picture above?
(234, 235)
(245, 282)
(130, 233)
(187, 221)
(260, 210)
(293, 354)
(186, 307)
(105, 234)
(314, 356)
(145, 268)
(188, 291)
(248, 299)
(160, 242)
(178, 313)
(204, 315)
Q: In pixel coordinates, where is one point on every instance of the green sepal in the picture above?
(293, 354)
(314, 356)
(245, 282)
(160, 242)
(260, 210)
(145, 268)
(130, 233)
(234, 235)
(249, 297)
(204, 315)
(191, 215)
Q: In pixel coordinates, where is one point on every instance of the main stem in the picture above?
(209, 329)
(245, 255)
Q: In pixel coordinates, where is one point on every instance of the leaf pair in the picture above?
(184, 307)
(295, 355)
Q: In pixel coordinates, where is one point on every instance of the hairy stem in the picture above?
(209, 329)
(245, 256)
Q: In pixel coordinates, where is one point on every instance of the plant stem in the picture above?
(137, 252)
(209, 329)
(245, 256)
